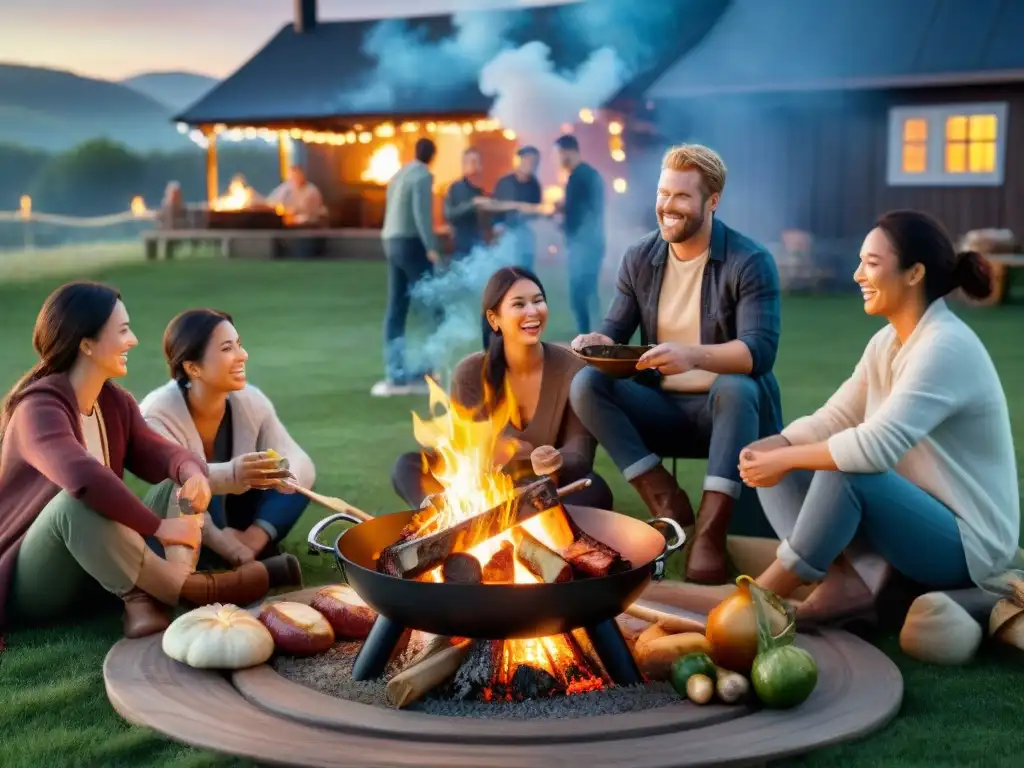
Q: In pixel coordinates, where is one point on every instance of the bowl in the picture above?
(615, 360)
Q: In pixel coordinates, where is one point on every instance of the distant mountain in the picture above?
(175, 90)
(56, 110)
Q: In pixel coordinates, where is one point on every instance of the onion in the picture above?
(732, 629)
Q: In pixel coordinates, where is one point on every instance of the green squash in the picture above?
(783, 675)
(685, 667)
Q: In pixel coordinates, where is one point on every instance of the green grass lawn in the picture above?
(313, 333)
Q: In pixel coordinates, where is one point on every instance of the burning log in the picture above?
(461, 568)
(476, 676)
(529, 682)
(591, 558)
(501, 568)
(412, 558)
(437, 663)
(558, 527)
(542, 562)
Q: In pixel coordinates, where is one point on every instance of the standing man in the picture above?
(708, 298)
(461, 203)
(519, 187)
(583, 211)
(411, 248)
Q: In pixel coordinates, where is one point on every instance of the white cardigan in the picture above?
(254, 427)
(934, 411)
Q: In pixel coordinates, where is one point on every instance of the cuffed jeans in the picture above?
(407, 265)
(413, 485)
(817, 515)
(585, 257)
(638, 425)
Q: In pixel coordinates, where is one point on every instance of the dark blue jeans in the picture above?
(817, 515)
(638, 425)
(407, 265)
(585, 256)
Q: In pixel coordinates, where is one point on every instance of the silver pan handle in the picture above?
(671, 544)
(313, 540)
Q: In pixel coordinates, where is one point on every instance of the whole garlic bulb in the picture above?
(218, 637)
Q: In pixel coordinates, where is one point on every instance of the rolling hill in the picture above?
(174, 90)
(55, 110)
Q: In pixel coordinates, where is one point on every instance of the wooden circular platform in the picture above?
(260, 715)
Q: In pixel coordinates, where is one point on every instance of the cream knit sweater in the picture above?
(255, 427)
(934, 411)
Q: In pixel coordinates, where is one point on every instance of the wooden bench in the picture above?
(265, 243)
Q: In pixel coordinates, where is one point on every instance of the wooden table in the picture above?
(259, 715)
(264, 243)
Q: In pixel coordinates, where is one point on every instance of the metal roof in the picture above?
(798, 45)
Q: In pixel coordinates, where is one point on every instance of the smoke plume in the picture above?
(457, 291)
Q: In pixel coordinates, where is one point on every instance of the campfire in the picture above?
(239, 197)
(483, 530)
(384, 163)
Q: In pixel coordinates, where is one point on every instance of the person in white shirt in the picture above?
(300, 198)
(910, 465)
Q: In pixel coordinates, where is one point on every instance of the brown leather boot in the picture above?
(664, 498)
(242, 586)
(708, 559)
(143, 615)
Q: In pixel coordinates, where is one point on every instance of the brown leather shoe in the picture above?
(708, 561)
(664, 498)
(242, 586)
(143, 616)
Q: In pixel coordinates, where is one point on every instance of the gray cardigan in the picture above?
(255, 427)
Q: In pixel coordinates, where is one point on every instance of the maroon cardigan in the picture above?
(43, 451)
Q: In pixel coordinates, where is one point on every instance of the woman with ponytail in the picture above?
(910, 465)
(67, 519)
(538, 376)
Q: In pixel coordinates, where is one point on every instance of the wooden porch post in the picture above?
(212, 187)
(284, 160)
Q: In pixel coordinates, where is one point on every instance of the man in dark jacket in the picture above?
(583, 211)
(461, 204)
(707, 298)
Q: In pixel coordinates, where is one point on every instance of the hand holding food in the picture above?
(590, 340)
(218, 637)
(196, 491)
(266, 469)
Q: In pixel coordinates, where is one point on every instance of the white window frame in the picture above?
(936, 175)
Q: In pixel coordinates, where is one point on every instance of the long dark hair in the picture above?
(497, 287)
(920, 239)
(72, 313)
(187, 336)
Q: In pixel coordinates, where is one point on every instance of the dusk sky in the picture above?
(114, 39)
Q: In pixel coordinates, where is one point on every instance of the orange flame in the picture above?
(385, 162)
(239, 197)
(465, 452)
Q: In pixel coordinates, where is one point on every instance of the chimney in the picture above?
(305, 16)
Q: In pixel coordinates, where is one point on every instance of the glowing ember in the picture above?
(239, 197)
(461, 447)
(384, 163)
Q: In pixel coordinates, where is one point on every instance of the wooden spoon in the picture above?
(332, 503)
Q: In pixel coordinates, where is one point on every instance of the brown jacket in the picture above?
(555, 423)
(43, 452)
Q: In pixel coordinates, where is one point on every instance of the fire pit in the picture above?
(264, 714)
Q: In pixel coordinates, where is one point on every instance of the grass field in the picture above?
(313, 333)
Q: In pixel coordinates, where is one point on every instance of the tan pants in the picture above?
(67, 545)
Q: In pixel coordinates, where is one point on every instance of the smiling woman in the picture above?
(913, 454)
(209, 407)
(67, 519)
(536, 376)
